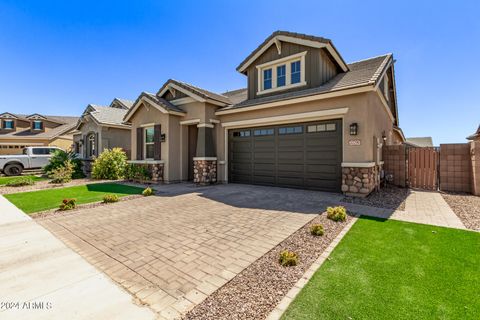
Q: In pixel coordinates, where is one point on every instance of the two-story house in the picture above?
(307, 119)
(18, 131)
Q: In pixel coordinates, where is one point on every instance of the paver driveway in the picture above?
(172, 250)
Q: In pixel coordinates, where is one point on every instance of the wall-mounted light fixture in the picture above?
(354, 129)
(384, 136)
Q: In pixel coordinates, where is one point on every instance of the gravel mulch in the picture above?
(42, 185)
(466, 207)
(391, 197)
(79, 207)
(257, 290)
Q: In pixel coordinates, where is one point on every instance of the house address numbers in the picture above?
(355, 142)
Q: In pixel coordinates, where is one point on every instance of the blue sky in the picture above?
(58, 56)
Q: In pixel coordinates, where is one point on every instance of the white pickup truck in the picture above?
(32, 158)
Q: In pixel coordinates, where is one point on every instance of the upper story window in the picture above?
(8, 125)
(282, 74)
(37, 125)
(149, 143)
(267, 79)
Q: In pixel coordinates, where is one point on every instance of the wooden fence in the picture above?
(423, 168)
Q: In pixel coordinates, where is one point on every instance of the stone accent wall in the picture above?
(359, 182)
(395, 163)
(155, 170)
(475, 156)
(455, 167)
(204, 171)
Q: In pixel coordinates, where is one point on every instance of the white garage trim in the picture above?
(289, 118)
(358, 164)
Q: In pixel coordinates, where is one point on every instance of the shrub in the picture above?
(337, 213)
(110, 164)
(147, 192)
(317, 230)
(68, 204)
(288, 258)
(109, 198)
(60, 157)
(20, 182)
(136, 172)
(63, 173)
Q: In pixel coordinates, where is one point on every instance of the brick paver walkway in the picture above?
(172, 250)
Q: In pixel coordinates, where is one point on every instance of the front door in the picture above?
(192, 148)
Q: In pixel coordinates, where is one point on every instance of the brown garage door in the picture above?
(302, 155)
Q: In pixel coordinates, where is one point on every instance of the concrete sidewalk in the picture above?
(41, 278)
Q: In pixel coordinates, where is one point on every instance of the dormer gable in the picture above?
(288, 61)
(36, 116)
(8, 115)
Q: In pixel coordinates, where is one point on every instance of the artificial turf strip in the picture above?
(5, 180)
(395, 270)
(35, 201)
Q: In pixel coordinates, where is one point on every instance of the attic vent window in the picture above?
(282, 74)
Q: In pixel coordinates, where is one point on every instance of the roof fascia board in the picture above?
(385, 105)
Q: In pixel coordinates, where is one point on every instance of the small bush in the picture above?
(147, 192)
(60, 157)
(20, 182)
(288, 258)
(110, 164)
(337, 213)
(110, 198)
(68, 204)
(317, 230)
(62, 174)
(137, 172)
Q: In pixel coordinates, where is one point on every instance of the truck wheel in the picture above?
(13, 170)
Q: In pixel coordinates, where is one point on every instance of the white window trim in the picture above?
(145, 143)
(10, 120)
(288, 73)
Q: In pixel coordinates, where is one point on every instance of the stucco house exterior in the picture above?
(100, 128)
(18, 131)
(307, 119)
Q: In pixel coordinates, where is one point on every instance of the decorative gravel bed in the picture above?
(256, 291)
(391, 197)
(48, 213)
(466, 207)
(41, 185)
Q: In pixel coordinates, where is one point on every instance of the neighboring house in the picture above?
(102, 127)
(419, 142)
(307, 119)
(18, 131)
(475, 136)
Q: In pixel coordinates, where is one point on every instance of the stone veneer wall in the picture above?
(360, 182)
(155, 170)
(204, 171)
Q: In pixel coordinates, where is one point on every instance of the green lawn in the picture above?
(36, 201)
(395, 270)
(5, 180)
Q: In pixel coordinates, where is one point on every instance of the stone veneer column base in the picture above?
(360, 181)
(154, 167)
(204, 170)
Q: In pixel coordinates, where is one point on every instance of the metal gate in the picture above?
(423, 168)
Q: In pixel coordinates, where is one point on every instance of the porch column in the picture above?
(205, 160)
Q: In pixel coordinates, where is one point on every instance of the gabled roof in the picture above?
(236, 96)
(361, 73)
(420, 141)
(161, 104)
(35, 116)
(475, 135)
(192, 91)
(108, 115)
(8, 115)
(292, 37)
(66, 124)
(121, 103)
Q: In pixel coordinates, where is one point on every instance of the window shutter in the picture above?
(157, 142)
(41, 125)
(139, 143)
